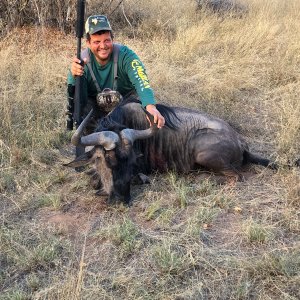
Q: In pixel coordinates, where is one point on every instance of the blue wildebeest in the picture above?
(123, 146)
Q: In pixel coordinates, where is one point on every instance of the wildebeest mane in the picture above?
(171, 119)
(124, 117)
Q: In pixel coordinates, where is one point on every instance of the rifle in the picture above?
(70, 107)
(78, 80)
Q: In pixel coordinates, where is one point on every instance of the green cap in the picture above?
(96, 23)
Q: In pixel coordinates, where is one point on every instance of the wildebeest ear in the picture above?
(82, 160)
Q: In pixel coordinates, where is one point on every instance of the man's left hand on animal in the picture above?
(101, 61)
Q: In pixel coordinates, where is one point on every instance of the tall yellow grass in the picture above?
(244, 69)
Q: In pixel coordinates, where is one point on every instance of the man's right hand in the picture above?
(76, 67)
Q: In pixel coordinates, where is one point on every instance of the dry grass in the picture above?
(186, 237)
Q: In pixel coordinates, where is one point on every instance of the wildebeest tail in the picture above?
(258, 160)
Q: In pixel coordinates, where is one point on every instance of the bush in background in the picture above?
(61, 14)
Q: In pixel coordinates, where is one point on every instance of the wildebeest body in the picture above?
(198, 140)
(189, 140)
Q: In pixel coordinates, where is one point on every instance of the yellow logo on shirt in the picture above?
(140, 73)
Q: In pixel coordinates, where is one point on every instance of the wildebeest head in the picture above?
(112, 155)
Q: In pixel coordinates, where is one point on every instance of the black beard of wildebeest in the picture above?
(124, 145)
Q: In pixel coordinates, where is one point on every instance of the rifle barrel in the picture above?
(78, 83)
(80, 18)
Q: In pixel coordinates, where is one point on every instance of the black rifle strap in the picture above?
(93, 77)
(116, 56)
(85, 54)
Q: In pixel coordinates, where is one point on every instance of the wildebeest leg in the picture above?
(218, 162)
(127, 198)
(112, 198)
(101, 193)
(79, 150)
(143, 179)
(123, 192)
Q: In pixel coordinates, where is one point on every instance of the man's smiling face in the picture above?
(101, 44)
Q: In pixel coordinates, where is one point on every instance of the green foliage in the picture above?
(205, 188)
(170, 258)
(47, 156)
(181, 189)
(7, 181)
(33, 282)
(15, 295)
(153, 210)
(206, 215)
(60, 139)
(29, 252)
(50, 200)
(125, 236)
(275, 264)
(256, 232)
(223, 201)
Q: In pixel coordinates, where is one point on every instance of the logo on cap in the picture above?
(95, 21)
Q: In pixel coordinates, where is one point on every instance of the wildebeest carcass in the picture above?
(123, 146)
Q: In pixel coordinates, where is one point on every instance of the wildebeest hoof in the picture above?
(101, 193)
(79, 169)
(128, 203)
(91, 172)
(111, 201)
(241, 178)
(144, 179)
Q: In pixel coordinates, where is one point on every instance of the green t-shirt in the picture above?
(132, 76)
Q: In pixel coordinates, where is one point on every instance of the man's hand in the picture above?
(158, 118)
(76, 67)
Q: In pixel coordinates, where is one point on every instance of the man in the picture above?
(131, 78)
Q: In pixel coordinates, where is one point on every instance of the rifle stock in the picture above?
(78, 82)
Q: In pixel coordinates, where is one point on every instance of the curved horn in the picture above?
(107, 139)
(133, 134)
(75, 140)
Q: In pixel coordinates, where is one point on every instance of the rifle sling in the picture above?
(116, 56)
(93, 77)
